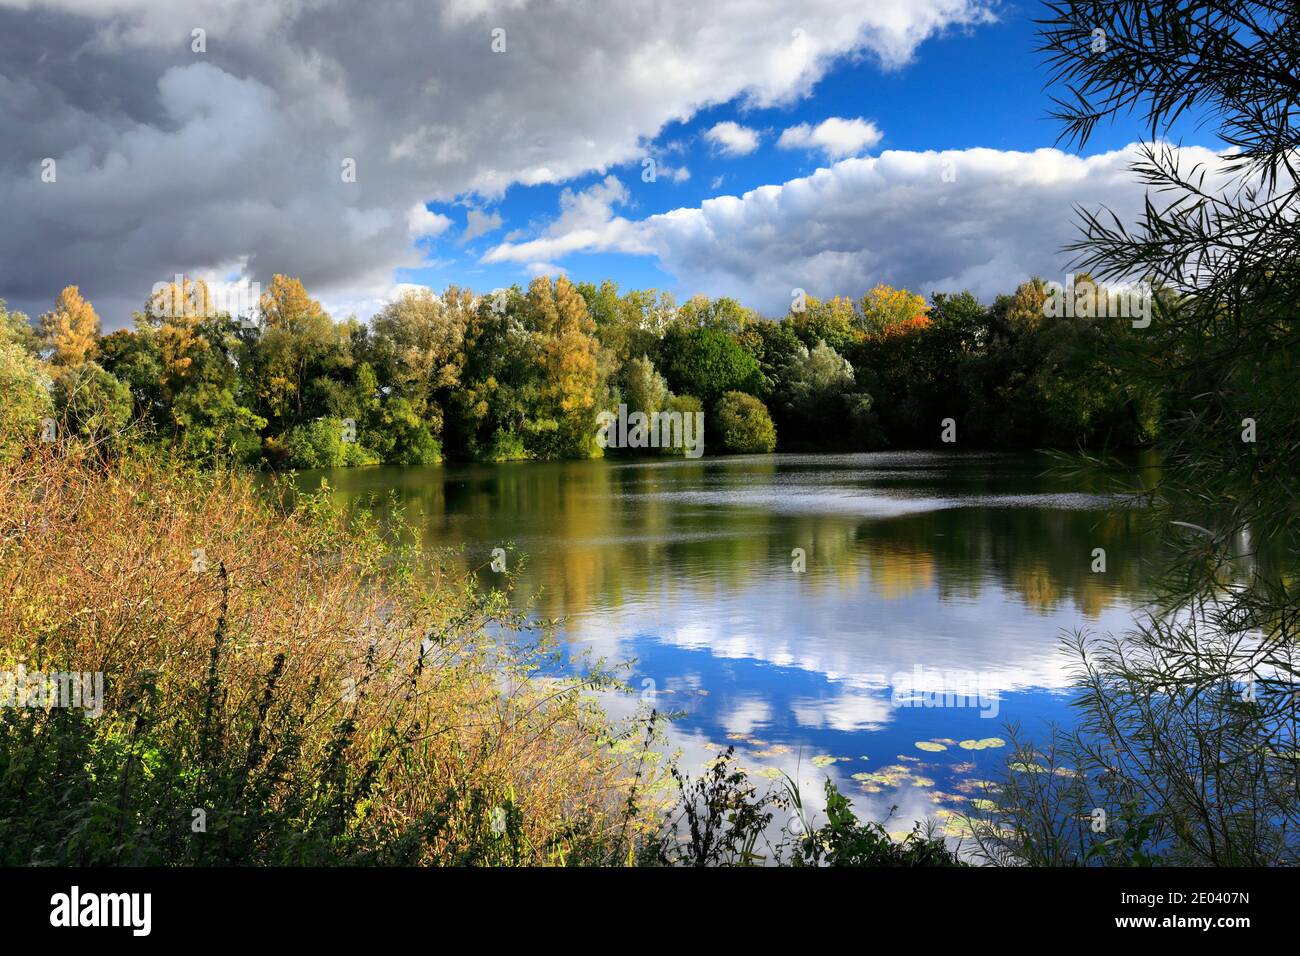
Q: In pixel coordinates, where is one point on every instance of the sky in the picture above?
(748, 148)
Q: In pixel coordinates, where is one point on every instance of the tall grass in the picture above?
(282, 687)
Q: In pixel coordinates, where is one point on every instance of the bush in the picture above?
(742, 423)
(91, 403)
(317, 444)
(505, 446)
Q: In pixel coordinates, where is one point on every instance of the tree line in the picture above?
(523, 374)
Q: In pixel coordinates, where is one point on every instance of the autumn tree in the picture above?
(417, 345)
(571, 386)
(70, 328)
(885, 308)
(298, 342)
(833, 321)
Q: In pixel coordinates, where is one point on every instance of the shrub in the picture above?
(742, 423)
(317, 444)
(90, 402)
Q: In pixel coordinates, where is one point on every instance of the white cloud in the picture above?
(420, 222)
(732, 139)
(977, 219)
(835, 137)
(586, 222)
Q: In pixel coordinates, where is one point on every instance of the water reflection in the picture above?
(916, 563)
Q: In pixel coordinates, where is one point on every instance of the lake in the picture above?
(823, 614)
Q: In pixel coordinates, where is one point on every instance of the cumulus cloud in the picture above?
(421, 223)
(479, 223)
(977, 219)
(170, 160)
(732, 139)
(586, 223)
(835, 137)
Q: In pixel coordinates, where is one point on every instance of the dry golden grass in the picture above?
(450, 733)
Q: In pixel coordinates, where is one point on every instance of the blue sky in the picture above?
(976, 86)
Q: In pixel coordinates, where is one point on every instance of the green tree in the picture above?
(417, 346)
(742, 423)
(706, 362)
(17, 329)
(644, 390)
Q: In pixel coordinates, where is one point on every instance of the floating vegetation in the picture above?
(983, 744)
(980, 803)
(930, 746)
(825, 760)
(894, 775)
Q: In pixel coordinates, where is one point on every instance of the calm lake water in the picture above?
(957, 574)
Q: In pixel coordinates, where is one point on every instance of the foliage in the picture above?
(27, 401)
(743, 424)
(706, 362)
(521, 374)
(90, 402)
(70, 329)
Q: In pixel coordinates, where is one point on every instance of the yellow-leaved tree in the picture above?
(570, 363)
(71, 328)
(298, 338)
